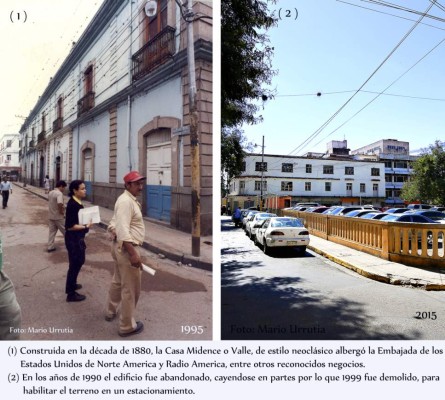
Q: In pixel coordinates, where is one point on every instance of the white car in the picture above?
(282, 232)
(253, 224)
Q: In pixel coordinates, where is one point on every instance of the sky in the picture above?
(32, 51)
(334, 48)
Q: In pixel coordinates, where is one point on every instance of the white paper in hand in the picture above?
(89, 214)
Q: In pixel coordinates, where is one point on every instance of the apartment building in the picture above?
(285, 180)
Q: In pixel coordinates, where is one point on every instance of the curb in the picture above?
(415, 283)
(183, 259)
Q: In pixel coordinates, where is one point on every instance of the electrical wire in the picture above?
(323, 126)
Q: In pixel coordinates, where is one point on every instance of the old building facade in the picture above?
(9, 155)
(285, 180)
(119, 102)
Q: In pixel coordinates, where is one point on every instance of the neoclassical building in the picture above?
(120, 102)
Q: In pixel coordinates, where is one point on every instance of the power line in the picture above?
(322, 127)
(392, 15)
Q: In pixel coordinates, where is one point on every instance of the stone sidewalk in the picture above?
(159, 238)
(377, 268)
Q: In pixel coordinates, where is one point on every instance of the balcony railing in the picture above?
(85, 104)
(57, 124)
(154, 53)
(41, 136)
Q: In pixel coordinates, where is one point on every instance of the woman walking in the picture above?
(74, 239)
(46, 184)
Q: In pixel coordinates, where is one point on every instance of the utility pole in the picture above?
(262, 175)
(194, 138)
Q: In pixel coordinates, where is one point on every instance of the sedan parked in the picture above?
(253, 224)
(409, 217)
(360, 213)
(434, 215)
(282, 232)
(396, 210)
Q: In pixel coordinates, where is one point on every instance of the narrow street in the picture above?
(176, 298)
(290, 296)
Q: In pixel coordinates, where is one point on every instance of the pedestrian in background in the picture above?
(6, 189)
(75, 239)
(56, 213)
(128, 230)
(46, 184)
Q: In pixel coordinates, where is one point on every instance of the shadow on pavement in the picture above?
(279, 308)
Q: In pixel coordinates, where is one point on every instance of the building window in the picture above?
(375, 187)
(258, 185)
(287, 167)
(362, 188)
(286, 186)
(349, 187)
(43, 122)
(307, 186)
(388, 164)
(375, 171)
(400, 164)
(86, 103)
(328, 169)
(308, 168)
(153, 25)
(349, 170)
(242, 184)
(327, 186)
(243, 166)
(388, 193)
(261, 166)
(400, 178)
(388, 178)
(8, 143)
(8, 157)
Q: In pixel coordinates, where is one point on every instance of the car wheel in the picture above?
(266, 248)
(255, 240)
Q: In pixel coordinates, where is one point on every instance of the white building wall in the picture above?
(317, 178)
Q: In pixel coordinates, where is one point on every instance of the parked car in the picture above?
(331, 209)
(317, 209)
(345, 209)
(253, 224)
(371, 215)
(381, 215)
(434, 215)
(282, 232)
(438, 208)
(418, 206)
(359, 213)
(249, 216)
(409, 217)
(396, 210)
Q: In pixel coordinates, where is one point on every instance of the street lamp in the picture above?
(189, 17)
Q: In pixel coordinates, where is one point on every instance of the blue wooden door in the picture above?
(158, 189)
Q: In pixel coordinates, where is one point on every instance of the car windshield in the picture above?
(291, 223)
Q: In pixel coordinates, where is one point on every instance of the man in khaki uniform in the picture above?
(56, 218)
(128, 230)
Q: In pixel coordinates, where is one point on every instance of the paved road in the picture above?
(174, 298)
(288, 296)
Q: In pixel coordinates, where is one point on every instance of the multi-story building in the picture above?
(9, 156)
(398, 165)
(120, 102)
(285, 180)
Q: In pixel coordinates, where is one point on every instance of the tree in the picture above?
(428, 180)
(246, 69)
